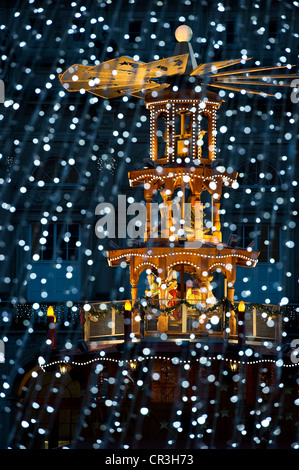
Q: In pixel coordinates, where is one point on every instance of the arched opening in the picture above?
(162, 135)
(184, 273)
(207, 202)
(51, 402)
(148, 281)
(218, 284)
(203, 137)
(183, 135)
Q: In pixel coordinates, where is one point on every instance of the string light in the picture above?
(174, 107)
(198, 173)
(143, 254)
(202, 360)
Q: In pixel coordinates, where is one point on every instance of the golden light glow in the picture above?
(241, 306)
(132, 365)
(50, 313)
(63, 369)
(183, 33)
(128, 306)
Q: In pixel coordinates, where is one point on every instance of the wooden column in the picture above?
(162, 325)
(147, 228)
(225, 287)
(217, 223)
(154, 137)
(198, 222)
(210, 138)
(134, 291)
(148, 196)
(165, 215)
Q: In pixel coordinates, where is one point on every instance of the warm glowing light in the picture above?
(50, 313)
(128, 305)
(241, 306)
(183, 33)
(63, 369)
(133, 365)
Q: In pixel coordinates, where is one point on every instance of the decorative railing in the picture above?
(112, 321)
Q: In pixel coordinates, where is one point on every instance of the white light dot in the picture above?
(265, 422)
(214, 320)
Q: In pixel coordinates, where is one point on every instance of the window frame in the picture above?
(257, 182)
(259, 244)
(55, 243)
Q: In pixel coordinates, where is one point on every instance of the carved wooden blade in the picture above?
(121, 76)
(256, 69)
(220, 86)
(260, 77)
(115, 72)
(211, 67)
(169, 66)
(252, 82)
